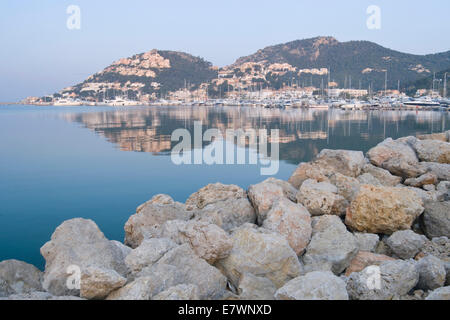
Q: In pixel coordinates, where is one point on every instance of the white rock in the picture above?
(207, 240)
(332, 247)
(392, 279)
(317, 285)
(17, 277)
(75, 245)
(321, 198)
(262, 253)
(292, 221)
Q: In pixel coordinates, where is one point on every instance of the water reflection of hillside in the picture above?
(303, 133)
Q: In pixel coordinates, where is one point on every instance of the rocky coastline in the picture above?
(346, 226)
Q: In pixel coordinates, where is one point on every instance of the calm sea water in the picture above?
(101, 163)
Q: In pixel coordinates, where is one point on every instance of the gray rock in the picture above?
(390, 280)
(321, 198)
(179, 292)
(367, 241)
(228, 214)
(214, 193)
(432, 274)
(149, 217)
(123, 248)
(207, 240)
(288, 189)
(433, 151)
(262, 253)
(367, 178)
(438, 247)
(348, 163)
(75, 245)
(347, 187)
(139, 289)
(398, 157)
(406, 244)
(332, 247)
(425, 179)
(441, 170)
(97, 283)
(262, 197)
(17, 277)
(148, 253)
(292, 221)
(182, 266)
(436, 219)
(317, 285)
(443, 190)
(252, 287)
(383, 176)
(439, 294)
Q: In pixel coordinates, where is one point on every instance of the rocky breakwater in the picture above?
(345, 226)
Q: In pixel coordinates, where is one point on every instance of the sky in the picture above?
(39, 55)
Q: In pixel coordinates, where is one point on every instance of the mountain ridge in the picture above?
(319, 62)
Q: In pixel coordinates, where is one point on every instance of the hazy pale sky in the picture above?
(39, 55)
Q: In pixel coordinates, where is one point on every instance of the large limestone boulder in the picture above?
(75, 245)
(392, 279)
(179, 292)
(440, 294)
(148, 253)
(317, 285)
(432, 273)
(364, 259)
(306, 171)
(182, 266)
(207, 240)
(252, 287)
(262, 197)
(321, 198)
(150, 216)
(332, 247)
(17, 277)
(433, 151)
(348, 163)
(97, 283)
(406, 244)
(289, 190)
(382, 175)
(227, 214)
(347, 187)
(436, 219)
(262, 253)
(383, 209)
(213, 193)
(398, 157)
(292, 221)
